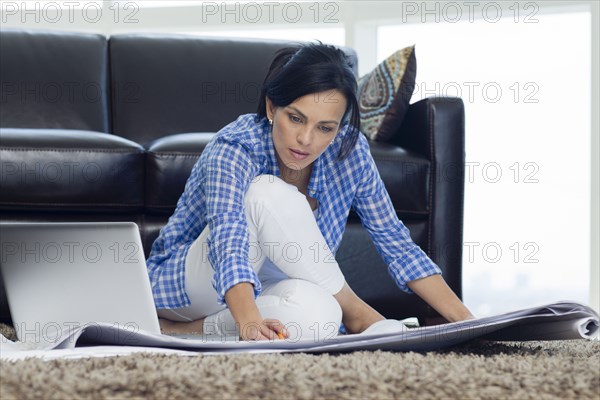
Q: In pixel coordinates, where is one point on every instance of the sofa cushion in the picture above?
(406, 176)
(169, 164)
(69, 170)
(169, 84)
(384, 94)
(54, 80)
(170, 161)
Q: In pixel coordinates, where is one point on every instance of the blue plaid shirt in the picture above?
(214, 195)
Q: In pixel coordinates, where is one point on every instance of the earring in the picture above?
(271, 122)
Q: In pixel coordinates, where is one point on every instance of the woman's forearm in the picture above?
(240, 301)
(436, 292)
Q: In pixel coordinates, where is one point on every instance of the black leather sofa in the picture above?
(108, 129)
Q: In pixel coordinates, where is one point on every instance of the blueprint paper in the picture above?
(556, 321)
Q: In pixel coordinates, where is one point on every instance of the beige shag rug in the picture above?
(477, 370)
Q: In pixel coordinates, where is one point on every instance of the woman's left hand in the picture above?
(436, 292)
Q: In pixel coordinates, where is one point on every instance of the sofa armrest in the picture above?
(435, 128)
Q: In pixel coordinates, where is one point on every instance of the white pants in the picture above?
(298, 273)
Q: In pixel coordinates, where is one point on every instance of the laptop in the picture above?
(61, 276)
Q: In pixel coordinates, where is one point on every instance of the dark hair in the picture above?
(312, 68)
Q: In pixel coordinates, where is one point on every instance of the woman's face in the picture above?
(303, 129)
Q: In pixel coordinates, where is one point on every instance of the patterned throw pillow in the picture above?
(384, 94)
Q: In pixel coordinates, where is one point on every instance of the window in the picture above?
(526, 89)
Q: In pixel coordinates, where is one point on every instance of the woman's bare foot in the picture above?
(168, 327)
(357, 315)
(358, 325)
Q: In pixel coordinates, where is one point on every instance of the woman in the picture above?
(249, 248)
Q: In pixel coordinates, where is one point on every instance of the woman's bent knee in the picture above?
(272, 189)
(313, 312)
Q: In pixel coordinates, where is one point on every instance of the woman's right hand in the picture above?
(262, 329)
(252, 325)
